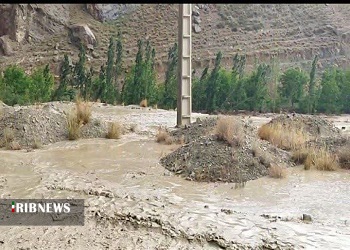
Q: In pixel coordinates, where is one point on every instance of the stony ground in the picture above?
(45, 124)
(204, 158)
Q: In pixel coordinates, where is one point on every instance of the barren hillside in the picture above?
(292, 33)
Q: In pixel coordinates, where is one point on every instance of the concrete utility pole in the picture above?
(184, 99)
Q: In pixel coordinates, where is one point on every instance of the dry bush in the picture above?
(285, 137)
(169, 140)
(256, 151)
(9, 136)
(73, 125)
(114, 131)
(181, 140)
(277, 172)
(344, 157)
(299, 156)
(83, 111)
(230, 130)
(164, 136)
(1, 111)
(13, 145)
(321, 159)
(143, 103)
(133, 128)
(37, 144)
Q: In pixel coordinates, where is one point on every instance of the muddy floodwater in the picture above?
(132, 202)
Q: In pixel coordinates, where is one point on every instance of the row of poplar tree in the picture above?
(265, 89)
(112, 86)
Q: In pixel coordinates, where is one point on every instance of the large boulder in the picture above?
(81, 33)
(5, 46)
(32, 22)
(106, 12)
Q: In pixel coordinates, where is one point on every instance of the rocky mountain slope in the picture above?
(32, 34)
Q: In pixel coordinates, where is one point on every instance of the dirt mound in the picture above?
(315, 126)
(208, 159)
(195, 130)
(43, 124)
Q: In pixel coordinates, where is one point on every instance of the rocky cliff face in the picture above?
(108, 12)
(38, 33)
(32, 21)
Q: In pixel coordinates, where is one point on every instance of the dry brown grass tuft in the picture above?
(299, 155)
(321, 159)
(256, 151)
(83, 111)
(164, 136)
(230, 130)
(285, 137)
(277, 172)
(169, 140)
(14, 145)
(73, 125)
(133, 128)
(143, 103)
(37, 144)
(344, 157)
(9, 136)
(181, 140)
(114, 131)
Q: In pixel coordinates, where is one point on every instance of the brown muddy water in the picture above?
(122, 178)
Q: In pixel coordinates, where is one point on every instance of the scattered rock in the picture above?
(106, 12)
(46, 124)
(195, 12)
(307, 217)
(196, 28)
(5, 46)
(205, 158)
(82, 33)
(197, 20)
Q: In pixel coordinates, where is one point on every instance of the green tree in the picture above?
(239, 65)
(89, 88)
(312, 87)
(212, 86)
(132, 92)
(148, 77)
(140, 83)
(65, 74)
(223, 89)
(109, 93)
(198, 91)
(100, 85)
(169, 100)
(274, 99)
(293, 81)
(79, 70)
(330, 94)
(256, 87)
(344, 89)
(118, 65)
(41, 85)
(16, 86)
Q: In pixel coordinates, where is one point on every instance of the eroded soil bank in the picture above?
(132, 202)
